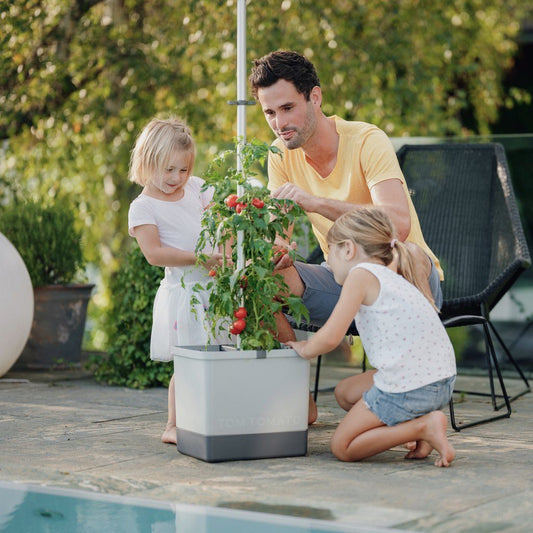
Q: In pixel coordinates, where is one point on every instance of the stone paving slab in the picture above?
(76, 433)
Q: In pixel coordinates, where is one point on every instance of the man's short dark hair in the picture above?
(284, 65)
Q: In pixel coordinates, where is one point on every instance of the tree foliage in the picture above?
(80, 78)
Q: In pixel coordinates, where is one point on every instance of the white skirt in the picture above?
(175, 321)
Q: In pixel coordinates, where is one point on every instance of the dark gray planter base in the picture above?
(240, 447)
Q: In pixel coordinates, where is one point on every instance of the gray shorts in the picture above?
(321, 292)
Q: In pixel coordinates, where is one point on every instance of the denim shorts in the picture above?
(395, 407)
(322, 293)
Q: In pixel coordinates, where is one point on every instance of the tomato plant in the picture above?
(245, 299)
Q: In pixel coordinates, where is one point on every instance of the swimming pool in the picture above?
(28, 508)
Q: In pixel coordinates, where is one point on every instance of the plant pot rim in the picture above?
(216, 352)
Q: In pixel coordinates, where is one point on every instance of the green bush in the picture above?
(47, 238)
(129, 321)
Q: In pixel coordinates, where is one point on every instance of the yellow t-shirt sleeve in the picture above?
(378, 159)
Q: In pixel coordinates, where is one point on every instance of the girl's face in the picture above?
(339, 261)
(174, 176)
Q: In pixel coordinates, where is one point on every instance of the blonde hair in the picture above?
(154, 147)
(372, 230)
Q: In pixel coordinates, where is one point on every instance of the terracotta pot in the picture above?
(57, 329)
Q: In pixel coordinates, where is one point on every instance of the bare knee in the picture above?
(340, 395)
(339, 448)
(293, 281)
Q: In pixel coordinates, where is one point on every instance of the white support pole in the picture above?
(241, 70)
(241, 105)
(241, 113)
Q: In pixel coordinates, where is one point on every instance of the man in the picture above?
(329, 166)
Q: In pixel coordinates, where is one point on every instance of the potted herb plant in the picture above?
(48, 239)
(248, 400)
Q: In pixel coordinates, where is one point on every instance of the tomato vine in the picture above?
(240, 204)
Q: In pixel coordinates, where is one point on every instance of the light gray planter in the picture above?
(233, 404)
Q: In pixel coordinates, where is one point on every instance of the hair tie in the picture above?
(393, 242)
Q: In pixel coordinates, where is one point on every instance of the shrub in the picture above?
(47, 238)
(129, 318)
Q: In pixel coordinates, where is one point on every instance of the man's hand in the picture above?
(289, 191)
(281, 256)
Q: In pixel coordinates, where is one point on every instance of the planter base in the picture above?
(240, 404)
(240, 447)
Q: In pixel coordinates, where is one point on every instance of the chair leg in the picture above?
(492, 361)
(513, 362)
(317, 377)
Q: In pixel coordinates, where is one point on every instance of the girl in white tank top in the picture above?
(387, 293)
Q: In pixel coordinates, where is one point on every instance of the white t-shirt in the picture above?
(179, 225)
(178, 222)
(402, 335)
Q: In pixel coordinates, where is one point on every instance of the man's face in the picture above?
(291, 117)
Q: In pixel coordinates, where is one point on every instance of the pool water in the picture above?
(34, 509)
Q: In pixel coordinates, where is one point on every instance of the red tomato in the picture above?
(212, 272)
(239, 324)
(257, 202)
(240, 313)
(233, 331)
(231, 200)
(239, 207)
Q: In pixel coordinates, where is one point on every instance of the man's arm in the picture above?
(388, 194)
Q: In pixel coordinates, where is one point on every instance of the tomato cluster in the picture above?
(232, 201)
(238, 326)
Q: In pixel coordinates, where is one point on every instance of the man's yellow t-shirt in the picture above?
(365, 157)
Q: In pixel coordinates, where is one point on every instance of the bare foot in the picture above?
(411, 445)
(313, 413)
(169, 435)
(435, 435)
(421, 450)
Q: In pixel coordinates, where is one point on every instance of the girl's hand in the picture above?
(299, 348)
(213, 261)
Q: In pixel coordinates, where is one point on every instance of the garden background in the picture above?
(80, 78)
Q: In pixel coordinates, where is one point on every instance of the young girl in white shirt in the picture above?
(165, 220)
(399, 402)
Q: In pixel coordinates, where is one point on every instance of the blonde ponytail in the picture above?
(371, 228)
(406, 267)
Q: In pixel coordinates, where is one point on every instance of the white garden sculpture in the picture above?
(16, 304)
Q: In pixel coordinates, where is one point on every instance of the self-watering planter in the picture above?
(240, 404)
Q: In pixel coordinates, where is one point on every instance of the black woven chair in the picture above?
(467, 209)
